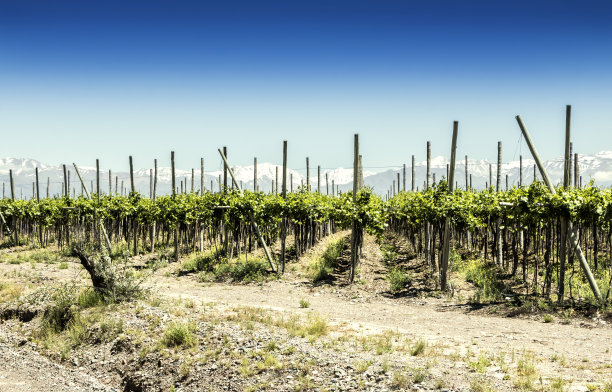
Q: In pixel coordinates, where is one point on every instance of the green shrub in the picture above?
(61, 311)
(251, 270)
(322, 268)
(484, 276)
(201, 262)
(180, 335)
(398, 279)
(90, 298)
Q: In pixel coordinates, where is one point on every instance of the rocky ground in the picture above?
(289, 335)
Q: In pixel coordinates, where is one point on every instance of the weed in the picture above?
(398, 279)
(180, 335)
(418, 348)
(480, 365)
(362, 366)
(400, 380)
(479, 384)
(89, 298)
(304, 304)
(322, 268)
(419, 375)
(63, 265)
(547, 318)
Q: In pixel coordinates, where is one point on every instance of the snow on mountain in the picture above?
(597, 167)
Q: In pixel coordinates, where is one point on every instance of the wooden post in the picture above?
(65, 181)
(466, 174)
(333, 188)
(404, 179)
(490, 174)
(255, 226)
(307, 174)
(48, 186)
(413, 173)
(498, 236)
(176, 229)
(355, 236)
(14, 218)
(326, 183)
(201, 176)
(398, 183)
(571, 165)
(284, 220)
(573, 238)
(153, 195)
(37, 186)
(506, 183)
(192, 180)
(319, 179)
(428, 165)
(255, 174)
(567, 164)
(225, 171)
(291, 182)
(576, 171)
(276, 187)
(132, 187)
(447, 228)
(151, 184)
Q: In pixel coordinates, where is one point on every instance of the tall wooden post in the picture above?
(490, 174)
(573, 238)
(567, 164)
(65, 181)
(498, 236)
(327, 183)
(355, 229)
(447, 228)
(466, 174)
(428, 165)
(48, 187)
(333, 187)
(284, 220)
(404, 179)
(133, 188)
(255, 174)
(176, 229)
(201, 176)
(192, 180)
(576, 171)
(319, 179)
(225, 170)
(276, 186)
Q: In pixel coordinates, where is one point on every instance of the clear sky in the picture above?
(103, 79)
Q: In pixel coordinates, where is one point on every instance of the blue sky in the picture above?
(102, 79)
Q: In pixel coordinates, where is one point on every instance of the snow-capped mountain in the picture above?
(597, 167)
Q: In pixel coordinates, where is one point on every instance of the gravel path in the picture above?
(24, 370)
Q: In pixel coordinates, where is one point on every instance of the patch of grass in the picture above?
(485, 277)
(419, 375)
(479, 384)
(547, 318)
(304, 304)
(362, 366)
(317, 326)
(418, 348)
(322, 268)
(251, 270)
(481, 364)
(9, 292)
(557, 384)
(180, 335)
(89, 298)
(400, 380)
(201, 262)
(63, 265)
(398, 279)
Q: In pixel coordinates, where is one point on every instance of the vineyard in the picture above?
(393, 278)
(526, 220)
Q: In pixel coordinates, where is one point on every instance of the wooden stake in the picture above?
(255, 174)
(201, 176)
(307, 174)
(447, 228)
(404, 179)
(108, 244)
(132, 187)
(284, 221)
(319, 179)
(427, 182)
(572, 235)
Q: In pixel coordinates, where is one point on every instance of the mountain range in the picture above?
(597, 167)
